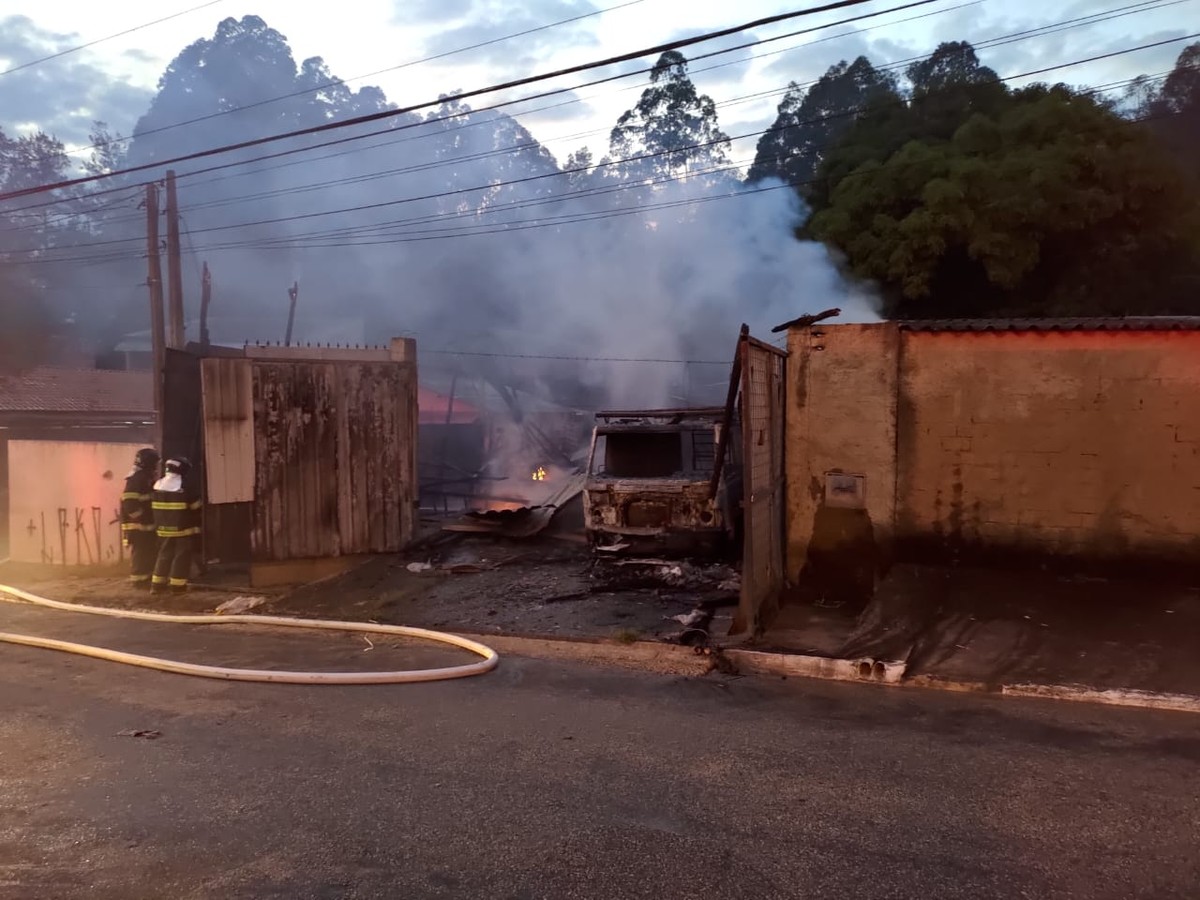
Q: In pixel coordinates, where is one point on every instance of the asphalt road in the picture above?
(552, 781)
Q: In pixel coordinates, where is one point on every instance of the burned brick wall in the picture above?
(1075, 441)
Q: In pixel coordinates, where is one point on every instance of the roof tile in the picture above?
(54, 390)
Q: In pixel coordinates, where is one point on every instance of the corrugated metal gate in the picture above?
(309, 458)
(763, 369)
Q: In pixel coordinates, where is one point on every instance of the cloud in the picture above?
(420, 12)
(565, 107)
(140, 56)
(61, 96)
(466, 23)
(810, 61)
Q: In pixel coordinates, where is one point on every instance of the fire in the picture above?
(539, 474)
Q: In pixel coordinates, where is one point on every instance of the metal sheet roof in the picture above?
(1130, 323)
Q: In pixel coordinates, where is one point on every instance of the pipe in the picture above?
(489, 661)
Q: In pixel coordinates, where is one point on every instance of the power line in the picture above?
(554, 221)
(610, 163)
(340, 81)
(490, 89)
(1090, 19)
(529, 201)
(438, 119)
(61, 53)
(280, 243)
(479, 122)
(532, 144)
(565, 358)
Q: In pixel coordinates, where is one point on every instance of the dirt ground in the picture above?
(484, 585)
(549, 588)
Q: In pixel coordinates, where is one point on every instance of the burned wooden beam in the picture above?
(735, 382)
(806, 320)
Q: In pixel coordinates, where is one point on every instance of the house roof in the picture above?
(1130, 323)
(52, 390)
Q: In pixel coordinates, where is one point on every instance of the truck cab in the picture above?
(650, 476)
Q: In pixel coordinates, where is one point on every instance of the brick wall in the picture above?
(841, 417)
(1077, 443)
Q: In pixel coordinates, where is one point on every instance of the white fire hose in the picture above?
(489, 661)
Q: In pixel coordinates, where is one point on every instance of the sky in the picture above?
(115, 79)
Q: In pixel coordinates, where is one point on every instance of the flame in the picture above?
(539, 474)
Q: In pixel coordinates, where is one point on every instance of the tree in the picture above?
(578, 169)
(241, 83)
(672, 126)
(30, 161)
(949, 86)
(1173, 112)
(810, 122)
(1052, 206)
(109, 150)
(25, 322)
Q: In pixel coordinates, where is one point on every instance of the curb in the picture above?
(649, 656)
(757, 662)
(673, 659)
(1111, 697)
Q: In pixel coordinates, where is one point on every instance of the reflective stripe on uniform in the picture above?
(179, 582)
(134, 496)
(135, 526)
(166, 531)
(169, 504)
(159, 579)
(139, 579)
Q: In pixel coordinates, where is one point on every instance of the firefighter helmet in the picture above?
(180, 465)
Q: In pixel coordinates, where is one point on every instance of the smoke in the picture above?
(460, 229)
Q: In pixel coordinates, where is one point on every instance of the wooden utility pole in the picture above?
(154, 282)
(293, 293)
(174, 268)
(205, 299)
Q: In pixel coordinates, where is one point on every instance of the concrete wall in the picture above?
(1084, 444)
(841, 417)
(63, 498)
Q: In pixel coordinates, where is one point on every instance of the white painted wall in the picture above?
(77, 482)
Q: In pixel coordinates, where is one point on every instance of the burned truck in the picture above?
(663, 481)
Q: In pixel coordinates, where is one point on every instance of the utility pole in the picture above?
(154, 282)
(205, 299)
(293, 293)
(174, 268)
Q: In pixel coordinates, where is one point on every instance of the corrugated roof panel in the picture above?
(77, 391)
(980, 326)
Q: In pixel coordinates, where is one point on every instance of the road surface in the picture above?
(552, 781)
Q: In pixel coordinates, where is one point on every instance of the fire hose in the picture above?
(489, 661)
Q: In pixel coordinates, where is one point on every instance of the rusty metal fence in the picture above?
(763, 368)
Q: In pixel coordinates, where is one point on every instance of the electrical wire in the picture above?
(479, 121)
(465, 95)
(558, 173)
(506, 229)
(1104, 15)
(557, 198)
(335, 82)
(61, 53)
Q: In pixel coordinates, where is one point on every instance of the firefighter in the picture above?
(177, 507)
(137, 517)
